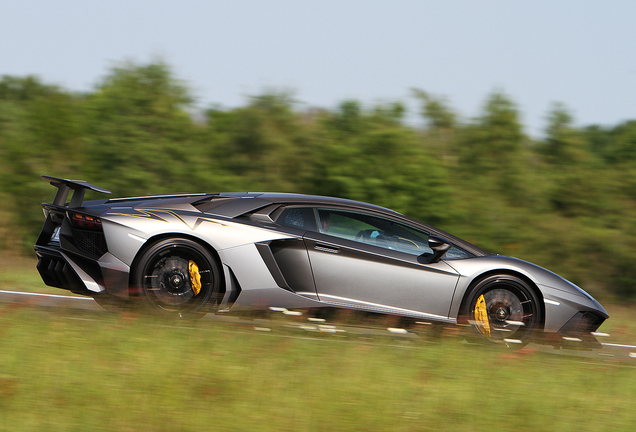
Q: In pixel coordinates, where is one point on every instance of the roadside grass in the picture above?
(70, 371)
(621, 325)
(18, 273)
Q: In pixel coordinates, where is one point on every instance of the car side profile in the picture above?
(190, 254)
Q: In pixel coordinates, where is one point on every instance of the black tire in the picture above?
(510, 312)
(167, 280)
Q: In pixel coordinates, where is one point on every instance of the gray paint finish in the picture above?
(296, 266)
(349, 270)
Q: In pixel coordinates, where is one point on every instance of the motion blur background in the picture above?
(509, 124)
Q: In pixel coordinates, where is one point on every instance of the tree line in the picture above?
(566, 201)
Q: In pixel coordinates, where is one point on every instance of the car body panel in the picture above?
(360, 275)
(131, 228)
(266, 261)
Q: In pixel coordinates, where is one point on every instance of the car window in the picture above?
(373, 230)
(300, 217)
(455, 253)
(365, 228)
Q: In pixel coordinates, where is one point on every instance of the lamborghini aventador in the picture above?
(190, 254)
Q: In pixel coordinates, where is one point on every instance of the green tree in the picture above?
(265, 145)
(565, 145)
(38, 134)
(383, 164)
(442, 125)
(577, 188)
(492, 150)
(23, 89)
(140, 137)
(436, 111)
(622, 146)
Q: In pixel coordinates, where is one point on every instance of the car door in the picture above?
(375, 263)
(287, 258)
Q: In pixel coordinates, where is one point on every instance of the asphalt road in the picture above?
(308, 328)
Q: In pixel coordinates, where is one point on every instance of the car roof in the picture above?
(291, 198)
(233, 204)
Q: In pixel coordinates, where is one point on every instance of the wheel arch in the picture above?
(462, 318)
(177, 235)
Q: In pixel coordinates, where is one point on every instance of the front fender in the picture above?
(562, 298)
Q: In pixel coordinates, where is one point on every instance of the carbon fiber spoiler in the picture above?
(79, 189)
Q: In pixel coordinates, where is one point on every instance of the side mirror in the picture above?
(439, 246)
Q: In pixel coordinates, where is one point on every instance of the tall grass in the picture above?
(65, 371)
(18, 273)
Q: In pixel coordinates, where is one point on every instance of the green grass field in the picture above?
(64, 370)
(18, 273)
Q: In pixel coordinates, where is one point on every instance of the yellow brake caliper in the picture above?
(195, 277)
(481, 316)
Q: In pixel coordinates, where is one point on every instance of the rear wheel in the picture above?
(178, 277)
(504, 309)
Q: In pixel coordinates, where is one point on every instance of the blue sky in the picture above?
(581, 53)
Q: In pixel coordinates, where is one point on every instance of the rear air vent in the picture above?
(92, 243)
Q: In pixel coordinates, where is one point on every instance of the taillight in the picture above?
(85, 222)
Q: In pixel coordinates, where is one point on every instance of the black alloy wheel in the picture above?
(504, 309)
(178, 277)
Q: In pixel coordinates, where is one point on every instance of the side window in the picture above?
(373, 230)
(300, 217)
(343, 224)
(455, 253)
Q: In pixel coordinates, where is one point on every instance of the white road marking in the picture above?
(619, 345)
(265, 331)
(45, 295)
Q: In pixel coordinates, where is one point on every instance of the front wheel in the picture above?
(178, 277)
(504, 309)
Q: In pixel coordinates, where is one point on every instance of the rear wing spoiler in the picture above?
(79, 187)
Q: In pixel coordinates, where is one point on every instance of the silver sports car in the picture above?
(189, 254)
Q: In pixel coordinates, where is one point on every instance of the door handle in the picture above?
(324, 248)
